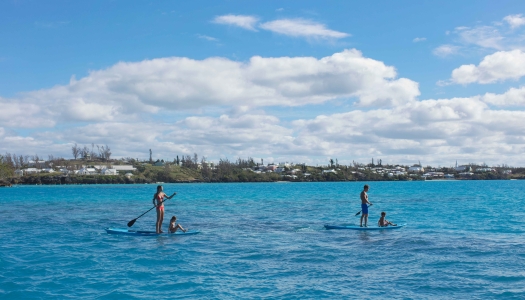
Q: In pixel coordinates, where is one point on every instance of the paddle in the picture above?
(362, 210)
(130, 223)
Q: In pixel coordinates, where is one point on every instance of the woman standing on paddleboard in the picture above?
(158, 202)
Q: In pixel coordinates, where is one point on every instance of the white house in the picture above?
(124, 168)
(87, 171)
(65, 171)
(19, 172)
(31, 171)
(416, 169)
(462, 169)
(329, 171)
(485, 170)
(48, 170)
(279, 170)
(108, 172)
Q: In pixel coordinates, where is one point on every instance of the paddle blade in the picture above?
(358, 214)
(130, 223)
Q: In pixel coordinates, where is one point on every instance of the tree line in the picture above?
(103, 152)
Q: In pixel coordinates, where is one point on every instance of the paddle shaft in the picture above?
(130, 223)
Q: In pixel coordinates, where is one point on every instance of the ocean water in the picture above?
(463, 239)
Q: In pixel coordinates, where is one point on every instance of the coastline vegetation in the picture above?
(190, 169)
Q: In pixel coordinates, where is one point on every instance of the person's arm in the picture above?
(171, 196)
(154, 204)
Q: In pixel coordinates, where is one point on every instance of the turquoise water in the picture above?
(464, 239)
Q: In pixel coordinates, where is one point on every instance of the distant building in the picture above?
(159, 163)
(416, 169)
(271, 168)
(87, 171)
(466, 174)
(19, 172)
(31, 171)
(124, 168)
(329, 171)
(279, 170)
(481, 170)
(462, 169)
(108, 172)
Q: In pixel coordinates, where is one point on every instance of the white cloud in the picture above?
(513, 97)
(496, 36)
(419, 39)
(515, 21)
(128, 90)
(302, 28)
(445, 50)
(208, 38)
(500, 66)
(482, 36)
(246, 22)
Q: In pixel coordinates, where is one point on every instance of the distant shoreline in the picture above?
(226, 182)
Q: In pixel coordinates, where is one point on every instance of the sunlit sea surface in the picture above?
(463, 239)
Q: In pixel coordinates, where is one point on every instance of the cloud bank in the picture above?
(223, 108)
(128, 90)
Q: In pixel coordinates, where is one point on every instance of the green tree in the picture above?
(6, 170)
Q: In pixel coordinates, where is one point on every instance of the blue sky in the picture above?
(279, 80)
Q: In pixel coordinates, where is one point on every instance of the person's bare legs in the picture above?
(161, 220)
(362, 217)
(178, 227)
(365, 216)
(160, 215)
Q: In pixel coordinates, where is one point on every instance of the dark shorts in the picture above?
(364, 209)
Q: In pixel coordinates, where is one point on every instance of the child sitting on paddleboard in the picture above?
(383, 222)
(174, 226)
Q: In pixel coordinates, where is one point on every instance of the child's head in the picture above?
(383, 214)
(173, 219)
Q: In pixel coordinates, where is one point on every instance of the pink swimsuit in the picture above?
(161, 207)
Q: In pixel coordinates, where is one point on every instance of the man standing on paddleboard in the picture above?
(364, 206)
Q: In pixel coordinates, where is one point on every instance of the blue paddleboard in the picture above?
(147, 233)
(357, 227)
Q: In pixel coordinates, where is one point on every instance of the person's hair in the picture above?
(173, 218)
(383, 214)
(366, 186)
(159, 187)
